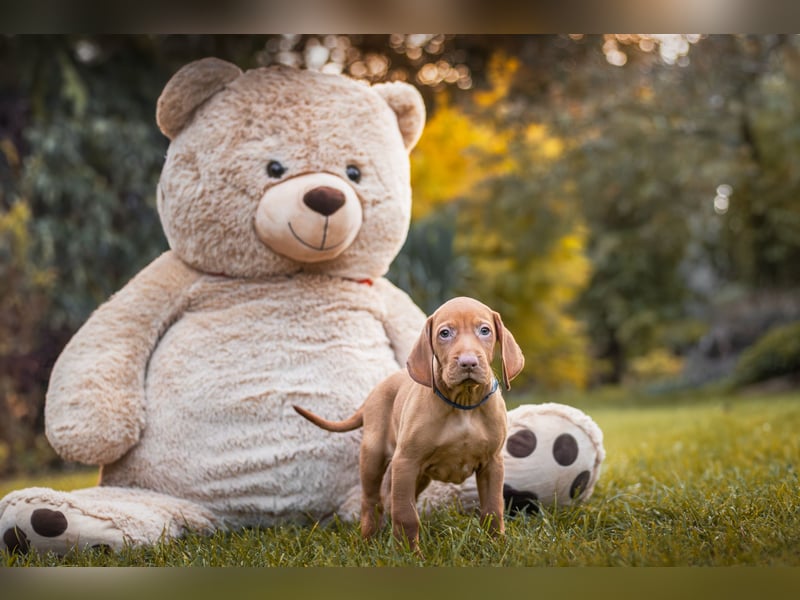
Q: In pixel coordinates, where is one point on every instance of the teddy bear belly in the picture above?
(221, 429)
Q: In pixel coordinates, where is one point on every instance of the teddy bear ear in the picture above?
(192, 85)
(406, 101)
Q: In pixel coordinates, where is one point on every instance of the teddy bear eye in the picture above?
(353, 173)
(275, 169)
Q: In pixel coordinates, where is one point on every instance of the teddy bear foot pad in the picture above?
(45, 520)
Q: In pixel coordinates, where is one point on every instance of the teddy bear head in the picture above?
(276, 170)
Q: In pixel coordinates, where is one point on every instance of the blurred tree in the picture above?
(762, 214)
(429, 267)
(520, 243)
(25, 299)
(456, 152)
(656, 135)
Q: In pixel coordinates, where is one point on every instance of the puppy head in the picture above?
(461, 336)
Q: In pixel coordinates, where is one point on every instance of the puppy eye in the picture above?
(445, 333)
(353, 173)
(275, 169)
(485, 331)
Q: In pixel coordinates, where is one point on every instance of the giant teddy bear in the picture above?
(284, 197)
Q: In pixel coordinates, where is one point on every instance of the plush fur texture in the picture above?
(181, 385)
(285, 197)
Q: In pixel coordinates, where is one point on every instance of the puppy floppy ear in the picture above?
(420, 360)
(510, 353)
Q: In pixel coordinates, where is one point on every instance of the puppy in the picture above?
(442, 418)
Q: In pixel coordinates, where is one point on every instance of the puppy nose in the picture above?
(467, 361)
(324, 200)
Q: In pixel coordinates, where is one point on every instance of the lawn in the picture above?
(709, 480)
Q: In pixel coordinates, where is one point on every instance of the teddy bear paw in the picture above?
(552, 456)
(30, 524)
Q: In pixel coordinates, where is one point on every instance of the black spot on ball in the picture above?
(48, 523)
(16, 540)
(565, 449)
(521, 444)
(579, 485)
(517, 501)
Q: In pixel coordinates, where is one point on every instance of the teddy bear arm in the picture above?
(94, 410)
(404, 320)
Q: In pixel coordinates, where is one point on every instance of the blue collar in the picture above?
(461, 406)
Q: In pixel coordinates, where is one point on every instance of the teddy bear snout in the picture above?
(309, 218)
(324, 200)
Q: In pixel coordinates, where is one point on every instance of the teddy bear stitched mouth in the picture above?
(322, 245)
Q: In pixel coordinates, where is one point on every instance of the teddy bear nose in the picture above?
(324, 200)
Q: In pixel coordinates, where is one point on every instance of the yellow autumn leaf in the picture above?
(454, 154)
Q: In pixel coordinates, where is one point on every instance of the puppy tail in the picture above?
(349, 424)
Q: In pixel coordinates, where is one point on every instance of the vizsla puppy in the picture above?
(443, 418)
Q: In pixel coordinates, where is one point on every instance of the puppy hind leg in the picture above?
(372, 467)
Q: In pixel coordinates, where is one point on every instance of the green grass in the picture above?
(691, 481)
(59, 481)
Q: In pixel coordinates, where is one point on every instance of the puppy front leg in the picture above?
(405, 520)
(490, 494)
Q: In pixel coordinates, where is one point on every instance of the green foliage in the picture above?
(646, 177)
(25, 299)
(428, 266)
(706, 481)
(777, 353)
(93, 161)
(528, 264)
(763, 224)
